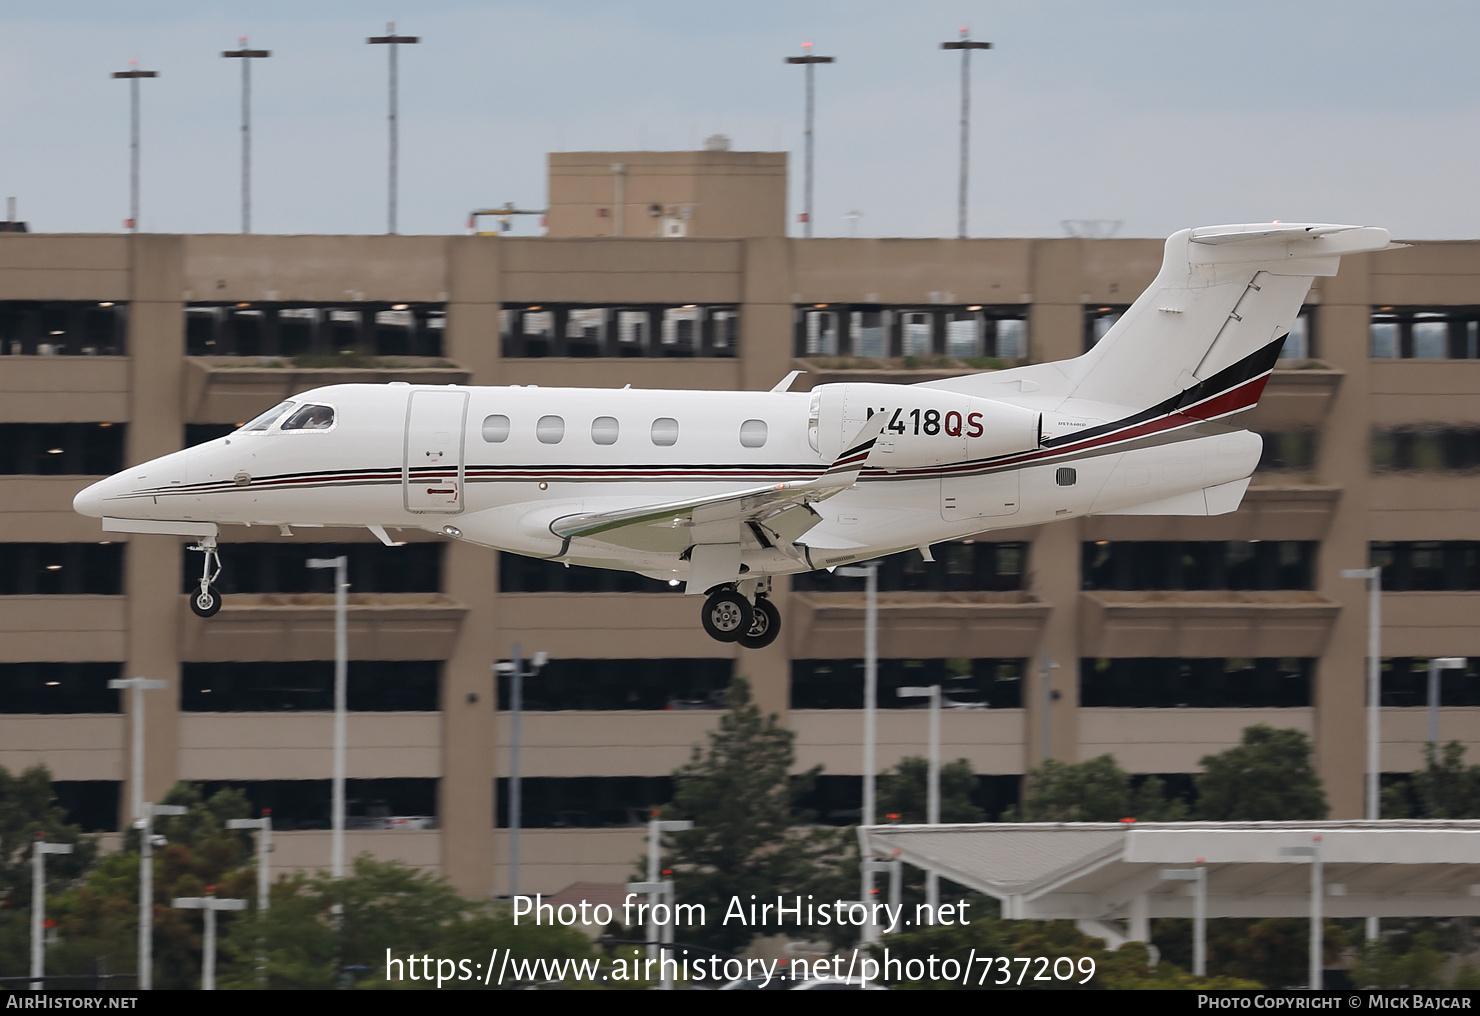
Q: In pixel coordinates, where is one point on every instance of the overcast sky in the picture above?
(1158, 114)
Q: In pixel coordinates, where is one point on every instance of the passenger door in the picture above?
(432, 467)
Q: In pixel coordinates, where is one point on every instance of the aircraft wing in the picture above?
(776, 514)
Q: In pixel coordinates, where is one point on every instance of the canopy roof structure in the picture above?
(1096, 872)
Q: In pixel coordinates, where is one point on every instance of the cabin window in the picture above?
(665, 431)
(310, 417)
(496, 429)
(604, 430)
(753, 433)
(550, 429)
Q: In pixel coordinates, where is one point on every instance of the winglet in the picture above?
(785, 383)
(844, 471)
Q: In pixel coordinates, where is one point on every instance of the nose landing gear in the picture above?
(206, 601)
(747, 617)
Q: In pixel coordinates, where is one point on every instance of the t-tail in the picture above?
(1207, 331)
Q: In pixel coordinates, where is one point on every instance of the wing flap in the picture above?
(673, 526)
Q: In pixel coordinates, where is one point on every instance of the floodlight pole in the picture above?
(246, 56)
(133, 74)
(394, 41)
(809, 61)
(210, 905)
(1435, 665)
(932, 787)
(39, 850)
(341, 694)
(965, 45)
(145, 826)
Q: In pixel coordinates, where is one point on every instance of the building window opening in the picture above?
(1216, 683)
(600, 685)
(56, 328)
(308, 686)
(61, 449)
(55, 688)
(965, 683)
(583, 802)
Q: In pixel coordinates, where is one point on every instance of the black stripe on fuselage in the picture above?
(1260, 361)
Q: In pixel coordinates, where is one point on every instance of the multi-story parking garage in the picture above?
(1156, 639)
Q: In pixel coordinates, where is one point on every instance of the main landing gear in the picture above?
(729, 615)
(205, 601)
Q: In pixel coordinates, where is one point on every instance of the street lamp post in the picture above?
(515, 670)
(1373, 577)
(1047, 669)
(137, 686)
(656, 828)
(133, 74)
(210, 905)
(965, 45)
(246, 56)
(1317, 891)
(341, 681)
(39, 850)
(1199, 878)
(264, 847)
(1435, 665)
(145, 826)
(870, 572)
(932, 788)
(808, 60)
(394, 41)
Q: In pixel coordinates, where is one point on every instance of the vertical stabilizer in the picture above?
(1225, 299)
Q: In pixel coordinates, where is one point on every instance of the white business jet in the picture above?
(721, 491)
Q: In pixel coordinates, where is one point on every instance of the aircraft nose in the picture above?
(89, 500)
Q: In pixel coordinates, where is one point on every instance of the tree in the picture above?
(1094, 791)
(1074, 960)
(904, 791)
(1273, 951)
(1445, 787)
(28, 807)
(390, 910)
(1268, 777)
(97, 919)
(746, 842)
(1388, 964)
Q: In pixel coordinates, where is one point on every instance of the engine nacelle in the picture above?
(927, 426)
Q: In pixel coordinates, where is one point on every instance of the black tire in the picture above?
(207, 603)
(726, 616)
(765, 625)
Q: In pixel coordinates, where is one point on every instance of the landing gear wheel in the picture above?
(765, 625)
(727, 615)
(205, 602)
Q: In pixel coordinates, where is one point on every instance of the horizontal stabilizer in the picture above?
(1220, 499)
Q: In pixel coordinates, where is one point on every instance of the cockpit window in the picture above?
(310, 417)
(268, 418)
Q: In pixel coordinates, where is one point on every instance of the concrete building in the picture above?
(1155, 639)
